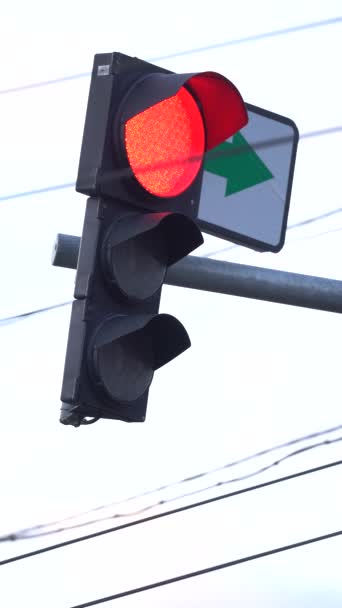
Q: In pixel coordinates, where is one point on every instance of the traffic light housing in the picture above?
(145, 136)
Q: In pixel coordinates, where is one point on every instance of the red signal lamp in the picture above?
(165, 144)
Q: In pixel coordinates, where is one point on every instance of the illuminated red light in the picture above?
(165, 144)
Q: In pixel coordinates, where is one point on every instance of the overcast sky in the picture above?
(258, 374)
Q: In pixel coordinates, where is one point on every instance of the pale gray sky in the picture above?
(257, 373)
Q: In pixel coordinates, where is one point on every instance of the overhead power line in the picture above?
(120, 173)
(201, 49)
(43, 190)
(37, 311)
(169, 513)
(45, 528)
(21, 316)
(300, 224)
(235, 562)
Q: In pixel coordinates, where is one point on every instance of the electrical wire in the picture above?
(236, 150)
(163, 502)
(300, 224)
(14, 318)
(42, 529)
(219, 153)
(202, 49)
(8, 320)
(194, 573)
(24, 315)
(9, 197)
(316, 235)
(169, 513)
(24, 533)
(30, 532)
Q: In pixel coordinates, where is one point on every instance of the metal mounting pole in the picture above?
(233, 279)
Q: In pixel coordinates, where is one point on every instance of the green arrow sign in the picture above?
(237, 162)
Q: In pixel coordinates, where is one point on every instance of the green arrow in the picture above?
(238, 162)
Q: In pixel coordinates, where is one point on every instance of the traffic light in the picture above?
(145, 136)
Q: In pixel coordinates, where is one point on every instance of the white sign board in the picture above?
(247, 183)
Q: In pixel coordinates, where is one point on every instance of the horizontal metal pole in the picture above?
(257, 283)
(233, 279)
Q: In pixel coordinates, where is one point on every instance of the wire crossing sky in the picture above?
(218, 45)
(236, 562)
(42, 529)
(261, 144)
(22, 316)
(151, 518)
